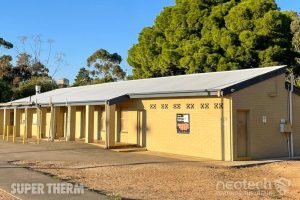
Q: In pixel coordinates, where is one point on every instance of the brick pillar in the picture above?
(53, 123)
(110, 125)
(71, 123)
(89, 124)
(5, 122)
(17, 122)
(28, 123)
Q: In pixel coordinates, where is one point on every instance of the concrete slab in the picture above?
(17, 175)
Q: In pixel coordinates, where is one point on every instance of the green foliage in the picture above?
(27, 88)
(38, 69)
(83, 77)
(6, 68)
(105, 67)
(202, 36)
(6, 44)
(20, 80)
(5, 92)
(295, 28)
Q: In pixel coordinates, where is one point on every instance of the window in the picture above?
(124, 121)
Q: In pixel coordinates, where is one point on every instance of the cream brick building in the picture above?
(232, 115)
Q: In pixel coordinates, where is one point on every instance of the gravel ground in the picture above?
(181, 180)
(6, 196)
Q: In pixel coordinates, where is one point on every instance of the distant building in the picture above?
(63, 82)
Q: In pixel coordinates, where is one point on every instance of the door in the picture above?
(242, 134)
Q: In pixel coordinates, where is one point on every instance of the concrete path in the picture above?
(12, 174)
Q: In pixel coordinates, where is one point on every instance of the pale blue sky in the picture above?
(81, 27)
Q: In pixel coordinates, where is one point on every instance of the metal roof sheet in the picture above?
(192, 83)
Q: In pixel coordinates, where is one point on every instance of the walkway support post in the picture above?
(15, 125)
(38, 115)
(27, 124)
(4, 122)
(89, 123)
(7, 132)
(110, 125)
(52, 123)
(71, 123)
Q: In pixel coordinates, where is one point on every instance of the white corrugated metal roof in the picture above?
(212, 81)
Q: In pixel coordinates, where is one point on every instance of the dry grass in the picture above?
(174, 180)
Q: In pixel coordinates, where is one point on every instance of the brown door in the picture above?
(242, 136)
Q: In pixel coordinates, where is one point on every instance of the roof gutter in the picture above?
(76, 103)
(16, 104)
(33, 104)
(175, 94)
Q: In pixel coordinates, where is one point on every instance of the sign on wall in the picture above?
(183, 123)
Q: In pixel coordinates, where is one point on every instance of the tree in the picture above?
(26, 67)
(5, 92)
(83, 77)
(202, 36)
(105, 66)
(27, 88)
(295, 28)
(39, 69)
(22, 70)
(6, 44)
(40, 55)
(6, 68)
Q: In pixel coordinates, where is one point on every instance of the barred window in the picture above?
(190, 106)
(218, 105)
(152, 106)
(164, 106)
(176, 106)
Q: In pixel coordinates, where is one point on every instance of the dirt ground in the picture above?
(6, 196)
(182, 180)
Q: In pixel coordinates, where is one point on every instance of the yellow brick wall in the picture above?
(97, 122)
(9, 120)
(22, 122)
(46, 122)
(80, 122)
(61, 119)
(34, 123)
(206, 132)
(296, 124)
(1, 121)
(102, 125)
(265, 139)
